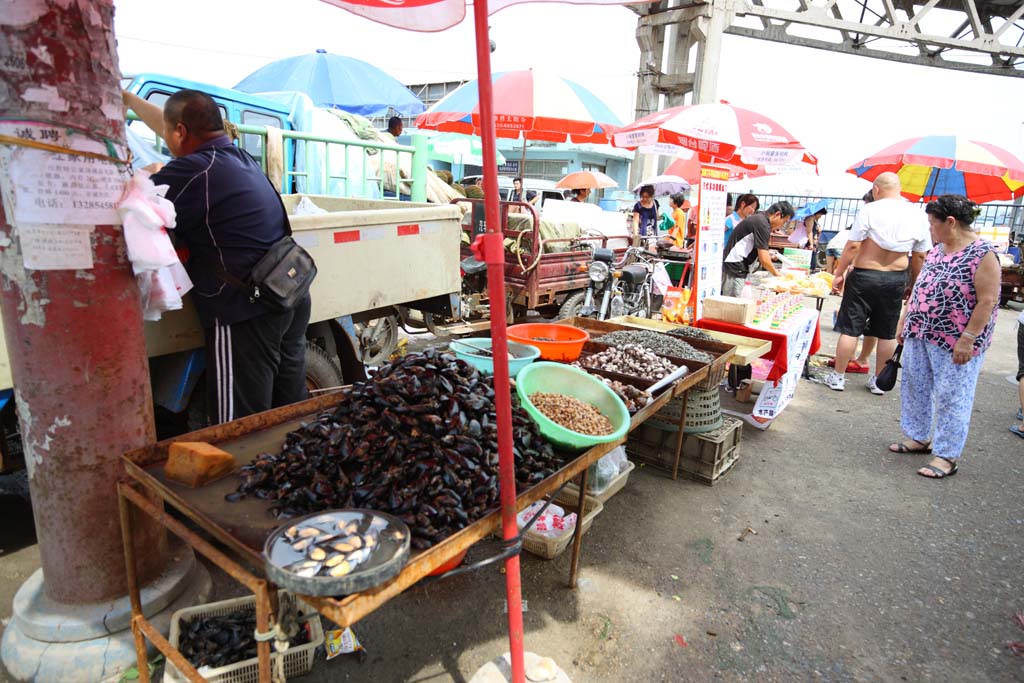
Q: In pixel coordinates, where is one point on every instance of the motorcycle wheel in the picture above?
(571, 306)
(378, 339)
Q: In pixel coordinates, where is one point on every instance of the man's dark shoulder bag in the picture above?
(282, 277)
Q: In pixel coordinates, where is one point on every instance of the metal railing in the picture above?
(345, 178)
(843, 210)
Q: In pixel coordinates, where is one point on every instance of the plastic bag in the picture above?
(162, 289)
(553, 523)
(662, 280)
(604, 471)
(674, 308)
(146, 214)
(306, 207)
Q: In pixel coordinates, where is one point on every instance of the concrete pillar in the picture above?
(709, 30)
(651, 40)
(77, 352)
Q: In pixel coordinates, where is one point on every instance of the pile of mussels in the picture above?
(418, 440)
(221, 640)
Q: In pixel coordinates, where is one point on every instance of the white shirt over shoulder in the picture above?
(894, 225)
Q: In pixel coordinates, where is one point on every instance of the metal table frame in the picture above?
(143, 493)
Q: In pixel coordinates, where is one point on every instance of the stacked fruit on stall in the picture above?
(418, 440)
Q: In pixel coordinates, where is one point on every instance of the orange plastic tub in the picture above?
(449, 565)
(556, 342)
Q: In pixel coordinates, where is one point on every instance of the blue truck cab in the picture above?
(235, 106)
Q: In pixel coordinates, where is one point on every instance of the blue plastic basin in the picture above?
(523, 355)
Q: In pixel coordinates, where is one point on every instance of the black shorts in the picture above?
(872, 301)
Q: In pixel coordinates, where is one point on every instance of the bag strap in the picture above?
(898, 353)
(232, 280)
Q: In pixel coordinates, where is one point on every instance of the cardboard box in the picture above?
(731, 309)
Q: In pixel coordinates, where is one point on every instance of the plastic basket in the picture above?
(705, 457)
(703, 412)
(613, 487)
(551, 547)
(298, 660)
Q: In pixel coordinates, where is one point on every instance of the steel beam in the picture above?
(873, 20)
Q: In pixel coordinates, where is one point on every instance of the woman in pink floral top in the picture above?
(945, 330)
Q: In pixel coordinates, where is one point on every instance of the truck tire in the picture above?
(378, 339)
(321, 370)
(572, 305)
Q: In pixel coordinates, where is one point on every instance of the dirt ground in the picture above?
(859, 571)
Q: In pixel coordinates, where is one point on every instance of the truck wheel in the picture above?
(572, 306)
(321, 371)
(378, 339)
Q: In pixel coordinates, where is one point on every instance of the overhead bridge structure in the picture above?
(979, 36)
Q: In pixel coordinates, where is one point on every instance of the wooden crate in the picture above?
(720, 352)
(706, 457)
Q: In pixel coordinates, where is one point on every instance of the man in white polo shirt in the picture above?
(888, 235)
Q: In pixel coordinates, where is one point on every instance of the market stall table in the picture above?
(235, 532)
(792, 345)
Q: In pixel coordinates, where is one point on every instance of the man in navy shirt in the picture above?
(228, 216)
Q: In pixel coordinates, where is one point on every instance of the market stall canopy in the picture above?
(580, 180)
(534, 104)
(666, 183)
(335, 81)
(458, 148)
(717, 132)
(947, 164)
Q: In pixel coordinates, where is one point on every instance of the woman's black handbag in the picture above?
(886, 379)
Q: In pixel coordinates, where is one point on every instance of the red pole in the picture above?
(494, 255)
(74, 337)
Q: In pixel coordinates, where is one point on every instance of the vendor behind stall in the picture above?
(749, 245)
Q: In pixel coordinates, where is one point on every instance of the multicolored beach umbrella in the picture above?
(948, 164)
(534, 104)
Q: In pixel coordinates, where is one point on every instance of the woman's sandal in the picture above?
(902, 447)
(936, 473)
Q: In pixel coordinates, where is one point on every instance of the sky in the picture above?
(841, 107)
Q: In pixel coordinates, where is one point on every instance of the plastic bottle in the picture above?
(748, 290)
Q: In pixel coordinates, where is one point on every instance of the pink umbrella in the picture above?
(436, 15)
(718, 132)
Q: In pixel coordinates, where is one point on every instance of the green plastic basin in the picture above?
(556, 378)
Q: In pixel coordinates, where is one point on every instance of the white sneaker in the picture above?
(873, 388)
(835, 381)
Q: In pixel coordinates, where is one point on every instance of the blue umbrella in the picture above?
(335, 81)
(812, 208)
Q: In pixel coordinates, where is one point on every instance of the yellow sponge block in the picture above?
(195, 463)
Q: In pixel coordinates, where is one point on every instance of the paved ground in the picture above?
(860, 570)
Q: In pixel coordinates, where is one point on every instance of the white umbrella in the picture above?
(665, 185)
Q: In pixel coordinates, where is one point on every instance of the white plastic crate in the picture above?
(298, 660)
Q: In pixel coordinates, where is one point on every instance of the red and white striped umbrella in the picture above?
(718, 132)
(689, 167)
(534, 104)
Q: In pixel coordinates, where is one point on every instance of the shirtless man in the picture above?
(888, 235)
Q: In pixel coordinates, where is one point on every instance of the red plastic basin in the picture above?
(556, 342)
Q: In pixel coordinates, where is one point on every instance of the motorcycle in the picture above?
(615, 289)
